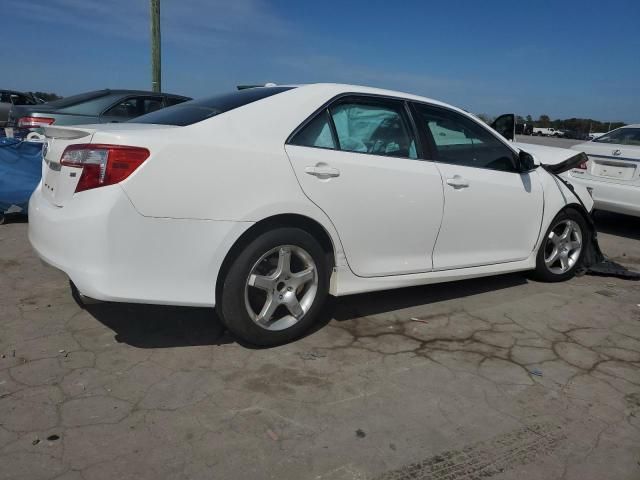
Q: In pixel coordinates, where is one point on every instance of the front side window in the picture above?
(621, 136)
(374, 127)
(460, 140)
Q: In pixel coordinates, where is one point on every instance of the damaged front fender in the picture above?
(552, 159)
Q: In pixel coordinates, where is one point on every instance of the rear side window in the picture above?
(195, 111)
(317, 133)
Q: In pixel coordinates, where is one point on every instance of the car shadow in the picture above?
(618, 224)
(156, 326)
(160, 326)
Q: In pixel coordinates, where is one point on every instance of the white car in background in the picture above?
(261, 202)
(612, 173)
(547, 132)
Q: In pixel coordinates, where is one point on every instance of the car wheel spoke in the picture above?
(554, 238)
(294, 307)
(268, 309)
(303, 277)
(564, 261)
(552, 258)
(263, 283)
(284, 261)
(566, 234)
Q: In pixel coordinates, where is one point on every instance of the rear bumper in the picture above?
(113, 253)
(612, 197)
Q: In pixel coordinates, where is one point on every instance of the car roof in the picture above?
(341, 88)
(6, 90)
(119, 91)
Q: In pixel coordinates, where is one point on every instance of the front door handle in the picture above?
(322, 171)
(458, 182)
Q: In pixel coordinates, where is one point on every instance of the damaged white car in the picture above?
(262, 202)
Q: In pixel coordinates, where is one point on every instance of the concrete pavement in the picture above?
(493, 378)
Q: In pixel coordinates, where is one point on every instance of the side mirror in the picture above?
(505, 125)
(527, 162)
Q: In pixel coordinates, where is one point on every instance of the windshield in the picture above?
(188, 113)
(621, 136)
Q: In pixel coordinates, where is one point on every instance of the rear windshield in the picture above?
(196, 111)
(75, 99)
(621, 136)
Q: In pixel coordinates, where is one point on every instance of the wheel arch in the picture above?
(312, 226)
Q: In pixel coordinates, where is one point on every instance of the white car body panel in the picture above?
(486, 211)
(162, 235)
(612, 175)
(396, 243)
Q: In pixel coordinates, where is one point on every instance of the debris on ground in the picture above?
(272, 435)
(53, 438)
(360, 433)
(35, 441)
(413, 319)
(609, 268)
(536, 372)
(313, 355)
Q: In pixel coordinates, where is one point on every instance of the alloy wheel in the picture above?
(281, 287)
(563, 246)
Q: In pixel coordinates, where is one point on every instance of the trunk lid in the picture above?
(610, 163)
(59, 182)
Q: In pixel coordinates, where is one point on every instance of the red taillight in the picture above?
(103, 164)
(25, 122)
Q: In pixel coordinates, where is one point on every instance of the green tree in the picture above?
(543, 121)
(485, 118)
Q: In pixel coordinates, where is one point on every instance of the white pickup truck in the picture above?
(548, 132)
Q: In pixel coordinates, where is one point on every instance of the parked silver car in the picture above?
(101, 106)
(9, 98)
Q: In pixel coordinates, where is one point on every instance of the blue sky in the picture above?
(562, 58)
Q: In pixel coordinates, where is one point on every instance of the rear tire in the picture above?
(563, 247)
(275, 288)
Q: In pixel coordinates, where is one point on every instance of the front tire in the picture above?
(562, 248)
(274, 290)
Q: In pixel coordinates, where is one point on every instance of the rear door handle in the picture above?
(458, 182)
(322, 171)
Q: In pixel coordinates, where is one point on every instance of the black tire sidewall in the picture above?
(232, 309)
(541, 271)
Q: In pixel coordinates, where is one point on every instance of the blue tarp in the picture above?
(20, 171)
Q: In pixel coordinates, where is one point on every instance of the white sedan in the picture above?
(262, 202)
(612, 173)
